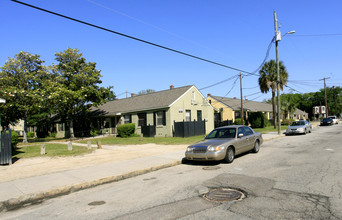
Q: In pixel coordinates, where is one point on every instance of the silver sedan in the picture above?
(299, 127)
(224, 143)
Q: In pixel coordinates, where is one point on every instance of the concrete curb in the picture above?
(39, 197)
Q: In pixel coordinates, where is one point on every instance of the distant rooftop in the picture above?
(235, 104)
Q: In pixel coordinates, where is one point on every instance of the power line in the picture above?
(252, 87)
(151, 25)
(232, 86)
(133, 38)
(215, 84)
(253, 94)
(292, 88)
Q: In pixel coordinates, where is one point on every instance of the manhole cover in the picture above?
(97, 203)
(211, 168)
(223, 195)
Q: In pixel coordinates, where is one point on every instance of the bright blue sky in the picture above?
(234, 33)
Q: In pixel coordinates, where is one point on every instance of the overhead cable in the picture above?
(133, 38)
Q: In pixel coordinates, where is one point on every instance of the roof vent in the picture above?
(172, 87)
(234, 98)
(132, 94)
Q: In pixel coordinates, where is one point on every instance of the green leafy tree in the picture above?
(22, 82)
(78, 86)
(268, 81)
(147, 91)
(288, 103)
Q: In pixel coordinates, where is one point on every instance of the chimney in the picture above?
(116, 99)
(172, 87)
(208, 95)
(132, 94)
(234, 98)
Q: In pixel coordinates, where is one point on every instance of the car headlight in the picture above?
(300, 129)
(189, 149)
(215, 148)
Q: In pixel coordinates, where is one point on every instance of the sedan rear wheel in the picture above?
(256, 147)
(230, 155)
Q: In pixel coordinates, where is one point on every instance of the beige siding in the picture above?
(194, 101)
(226, 113)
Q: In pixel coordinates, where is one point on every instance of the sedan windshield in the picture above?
(297, 123)
(222, 133)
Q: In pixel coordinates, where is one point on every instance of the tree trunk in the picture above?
(274, 110)
(71, 129)
(25, 131)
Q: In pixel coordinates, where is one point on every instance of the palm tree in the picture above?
(268, 80)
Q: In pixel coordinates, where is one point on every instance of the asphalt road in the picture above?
(294, 177)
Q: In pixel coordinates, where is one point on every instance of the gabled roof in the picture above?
(151, 101)
(300, 112)
(235, 104)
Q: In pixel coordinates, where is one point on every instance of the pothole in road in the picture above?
(224, 195)
(211, 168)
(95, 203)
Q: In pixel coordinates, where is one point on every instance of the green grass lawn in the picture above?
(146, 140)
(51, 150)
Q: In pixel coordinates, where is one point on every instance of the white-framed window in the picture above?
(128, 119)
(187, 115)
(160, 118)
(141, 119)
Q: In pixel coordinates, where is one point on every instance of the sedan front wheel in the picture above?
(230, 155)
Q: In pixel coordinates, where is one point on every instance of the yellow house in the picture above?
(230, 108)
(297, 115)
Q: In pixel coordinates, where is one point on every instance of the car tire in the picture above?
(230, 155)
(256, 147)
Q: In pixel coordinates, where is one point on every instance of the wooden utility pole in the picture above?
(326, 100)
(242, 113)
(276, 39)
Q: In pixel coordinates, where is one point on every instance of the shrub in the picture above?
(52, 134)
(15, 139)
(238, 121)
(258, 120)
(30, 134)
(287, 121)
(126, 130)
(94, 132)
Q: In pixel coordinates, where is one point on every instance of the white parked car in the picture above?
(299, 127)
(334, 118)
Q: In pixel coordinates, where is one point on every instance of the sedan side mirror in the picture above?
(240, 135)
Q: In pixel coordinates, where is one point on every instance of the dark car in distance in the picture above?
(327, 122)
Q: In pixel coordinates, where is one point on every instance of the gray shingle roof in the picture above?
(298, 111)
(252, 106)
(156, 100)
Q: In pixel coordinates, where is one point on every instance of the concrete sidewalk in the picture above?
(30, 181)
